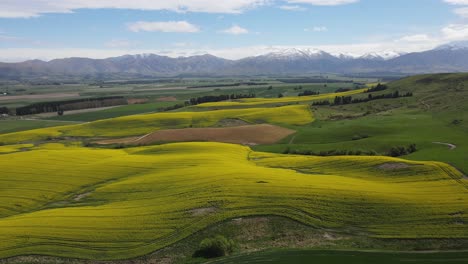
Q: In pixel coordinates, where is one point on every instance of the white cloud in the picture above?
(455, 32)
(463, 12)
(316, 29)
(292, 8)
(33, 8)
(164, 26)
(457, 2)
(320, 29)
(449, 33)
(323, 2)
(416, 38)
(235, 30)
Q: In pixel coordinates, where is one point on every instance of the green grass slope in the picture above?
(438, 112)
(15, 125)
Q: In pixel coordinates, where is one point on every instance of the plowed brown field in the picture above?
(248, 135)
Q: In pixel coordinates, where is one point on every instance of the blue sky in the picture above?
(48, 29)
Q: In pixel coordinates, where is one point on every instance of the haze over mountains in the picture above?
(446, 58)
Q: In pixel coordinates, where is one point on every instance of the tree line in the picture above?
(378, 88)
(308, 92)
(343, 100)
(227, 85)
(342, 90)
(60, 106)
(313, 80)
(4, 110)
(217, 98)
(396, 151)
(402, 150)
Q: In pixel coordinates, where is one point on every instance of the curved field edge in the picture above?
(256, 234)
(120, 204)
(143, 124)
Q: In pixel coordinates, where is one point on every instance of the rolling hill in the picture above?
(142, 199)
(63, 196)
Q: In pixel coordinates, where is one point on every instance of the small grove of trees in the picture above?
(379, 87)
(343, 100)
(4, 110)
(342, 90)
(308, 92)
(457, 121)
(217, 246)
(217, 98)
(402, 150)
(325, 102)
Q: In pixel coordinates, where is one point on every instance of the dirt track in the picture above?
(451, 146)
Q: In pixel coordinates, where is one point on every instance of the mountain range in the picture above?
(446, 58)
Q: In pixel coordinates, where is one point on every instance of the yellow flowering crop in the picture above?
(112, 204)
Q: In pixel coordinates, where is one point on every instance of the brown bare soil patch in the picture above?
(39, 96)
(247, 135)
(203, 211)
(137, 100)
(166, 99)
(393, 166)
(81, 196)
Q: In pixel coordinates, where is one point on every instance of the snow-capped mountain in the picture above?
(452, 57)
(306, 53)
(295, 53)
(383, 55)
(345, 55)
(458, 45)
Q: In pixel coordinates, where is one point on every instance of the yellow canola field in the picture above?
(143, 124)
(253, 102)
(115, 204)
